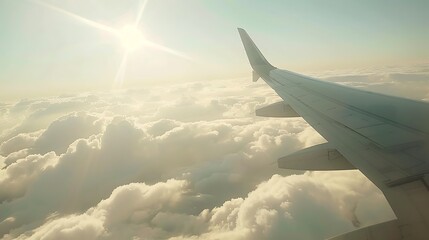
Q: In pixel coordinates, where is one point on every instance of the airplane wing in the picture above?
(385, 137)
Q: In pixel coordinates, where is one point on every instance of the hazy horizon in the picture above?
(54, 47)
(135, 119)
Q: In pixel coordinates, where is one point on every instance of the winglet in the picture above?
(256, 59)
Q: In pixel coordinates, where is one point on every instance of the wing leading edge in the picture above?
(385, 137)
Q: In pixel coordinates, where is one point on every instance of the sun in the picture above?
(131, 38)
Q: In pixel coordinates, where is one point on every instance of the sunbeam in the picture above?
(120, 74)
(130, 36)
(140, 13)
(166, 49)
(79, 18)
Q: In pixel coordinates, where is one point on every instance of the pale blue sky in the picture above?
(43, 51)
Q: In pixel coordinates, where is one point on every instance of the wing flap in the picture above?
(278, 109)
(320, 157)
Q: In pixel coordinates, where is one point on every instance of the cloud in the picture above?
(72, 227)
(18, 142)
(64, 131)
(137, 206)
(33, 115)
(181, 161)
(17, 176)
(309, 206)
(409, 85)
(91, 168)
(306, 206)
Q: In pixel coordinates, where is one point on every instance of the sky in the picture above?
(51, 47)
(165, 144)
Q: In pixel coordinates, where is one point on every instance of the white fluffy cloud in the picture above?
(187, 161)
(64, 131)
(132, 204)
(307, 206)
(18, 142)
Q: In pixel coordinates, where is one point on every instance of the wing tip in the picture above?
(256, 59)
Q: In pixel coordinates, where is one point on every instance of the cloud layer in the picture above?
(184, 161)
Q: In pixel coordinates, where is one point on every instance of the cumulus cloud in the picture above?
(18, 142)
(307, 206)
(409, 84)
(17, 176)
(185, 161)
(209, 154)
(33, 115)
(135, 206)
(64, 131)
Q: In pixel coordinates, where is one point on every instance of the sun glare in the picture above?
(131, 37)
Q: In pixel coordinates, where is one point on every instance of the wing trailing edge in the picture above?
(278, 109)
(320, 157)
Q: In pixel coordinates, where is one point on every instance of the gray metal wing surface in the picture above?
(385, 137)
